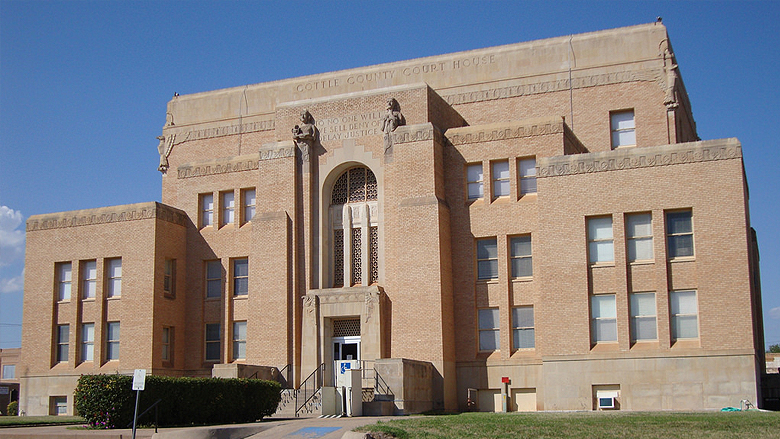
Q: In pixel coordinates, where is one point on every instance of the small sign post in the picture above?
(139, 383)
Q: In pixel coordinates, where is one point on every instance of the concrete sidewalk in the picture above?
(308, 428)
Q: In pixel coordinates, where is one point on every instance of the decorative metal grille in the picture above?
(338, 258)
(357, 256)
(339, 195)
(373, 255)
(346, 328)
(370, 186)
(357, 185)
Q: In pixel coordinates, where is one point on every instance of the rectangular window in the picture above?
(520, 252)
(239, 340)
(639, 236)
(212, 342)
(523, 327)
(206, 210)
(488, 329)
(685, 314)
(114, 277)
(58, 405)
(169, 279)
(679, 234)
(643, 322)
(167, 344)
(87, 341)
(112, 341)
(249, 204)
(623, 128)
(526, 170)
(213, 279)
(64, 273)
(240, 277)
(500, 174)
(474, 181)
(487, 259)
(600, 245)
(603, 318)
(88, 279)
(63, 341)
(228, 207)
(9, 371)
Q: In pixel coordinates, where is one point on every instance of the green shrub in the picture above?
(13, 408)
(108, 401)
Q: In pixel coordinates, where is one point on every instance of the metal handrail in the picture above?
(284, 374)
(316, 375)
(156, 412)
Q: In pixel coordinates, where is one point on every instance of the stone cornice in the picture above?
(249, 162)
(528, 88)
(220, 131)
(414, 133)
(504, 131)
(632, 158)
(106, 215)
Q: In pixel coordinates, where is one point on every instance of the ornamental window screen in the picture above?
(357, 256)
(354, 232)
(338, 258)
(354, 186)
(373, 255)
(346, 328)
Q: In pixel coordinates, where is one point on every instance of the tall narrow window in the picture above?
(526, 170)
(623, 128)
(240, 277)
(679, 234)
(500, 175)
(206, 210)
(474, 181)
(213, 345)
(685, 314)
(487, 259)
(357, 256)
(228, 208)
(63, 341)
(112, 341)
(239, 340)
(213, 279)
(167, 344)
(488, 329)
(338, 258)
(88, 279)
(639, 236)
(523, 336)
(603, 318)
(249, 204)
(373, 255)
(64, 273)
(169, 279)
(643, 320)
(87, 341)
(600, 245)
(520, 249)
(9, 372)
(114, 277)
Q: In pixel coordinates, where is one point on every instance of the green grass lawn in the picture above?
(8, 421)
(624, 425)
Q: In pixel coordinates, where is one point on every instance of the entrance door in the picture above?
(346, 348)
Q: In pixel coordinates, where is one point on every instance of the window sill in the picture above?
(503, 199)
(641, 345)
(114, 298)
(487, 281)
(687, 343)
(213, 299)
(523, 279)
(88, 299)
(682, 259)
(169, 296)
(241, 297)
(602, 264)
(60, 302)
(642, 262)
(605, 346)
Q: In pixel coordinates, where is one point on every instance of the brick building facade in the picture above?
(543, 212)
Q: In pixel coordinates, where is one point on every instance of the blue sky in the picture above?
(84, 84)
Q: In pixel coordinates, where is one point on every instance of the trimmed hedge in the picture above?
(108, 401)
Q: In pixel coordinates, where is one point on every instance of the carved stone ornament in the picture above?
(392, 120)
(305, 135)
(672, 74)
(164, 148)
